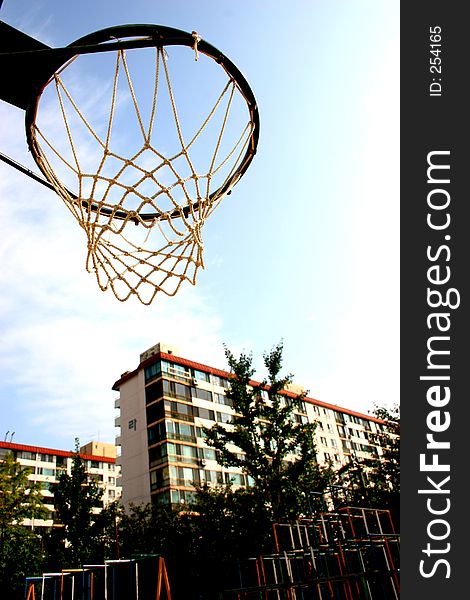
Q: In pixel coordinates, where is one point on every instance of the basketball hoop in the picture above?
(142, 130)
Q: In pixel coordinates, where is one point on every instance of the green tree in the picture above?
(386, 469)
(204, 540)
(76, 497)
(375, 482)
(383, 472)
(20, 547)
(272, 447)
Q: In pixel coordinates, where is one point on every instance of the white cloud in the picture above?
(64, 342)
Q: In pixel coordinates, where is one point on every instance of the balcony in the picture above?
(178, 375)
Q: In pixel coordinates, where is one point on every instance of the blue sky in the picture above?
(306, 248)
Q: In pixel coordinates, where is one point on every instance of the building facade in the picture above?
(165, 403)
(46, 464)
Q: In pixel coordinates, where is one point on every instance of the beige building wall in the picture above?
(133, 455)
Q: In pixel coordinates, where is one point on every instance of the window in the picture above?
(26, 455)
(176, 390)
(212, 476)
(327, 456)
(112, 480)
(44, 471)
(223, 417)
(184, 476)
(187, 451)
(339, 417)
(159, 479)
(333, 443)
(201, 394)
(178, 431)
(173, 453)
(45, 457)
(155, 412)
(158, 455)
(264, 395)
(209, 453)
(154, 391)
(204, 413)
(176, 371)
(184, 430)
(157, 432)
(222, 399)
(152, 371)
(220, 381)
(323, 441)
(182, 496)
(234, 478)
(185, 412)
(201, 376)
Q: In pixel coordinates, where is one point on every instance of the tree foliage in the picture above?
(20, 498)
(204, 541)
(375, 482)
(85, 535)
(264, 438)
(386, 469)
(20, 547)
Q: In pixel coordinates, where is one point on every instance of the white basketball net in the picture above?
(149, 198)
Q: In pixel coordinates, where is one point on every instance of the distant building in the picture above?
(47, 463)
(165, 402)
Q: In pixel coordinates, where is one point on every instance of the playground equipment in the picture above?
(139, 578)
(349, 554)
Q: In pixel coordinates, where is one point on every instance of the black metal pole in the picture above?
(9, 161)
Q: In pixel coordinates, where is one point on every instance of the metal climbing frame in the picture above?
(349, 554)
(138, 578)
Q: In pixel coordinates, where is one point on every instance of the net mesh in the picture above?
(138, 193)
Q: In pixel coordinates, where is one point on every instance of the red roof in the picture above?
(226, 375)
(66, 453)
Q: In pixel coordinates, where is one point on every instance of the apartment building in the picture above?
(165, 402)
(47, 463)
